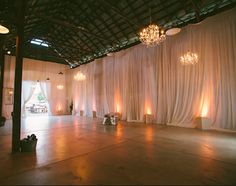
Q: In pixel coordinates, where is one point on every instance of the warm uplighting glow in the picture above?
(149, 134)
(79, 76)
(60, 87)
(94, 109)
(119, 131)
(117, 108)
(94, 105)
(59, 108)
(204, 109)
(3, 30)
(148, 111)
(189, 58)
(152, 35)
(75, 106)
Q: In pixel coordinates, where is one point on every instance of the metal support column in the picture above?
(1, 71)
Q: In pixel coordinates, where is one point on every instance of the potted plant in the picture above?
(28, 144)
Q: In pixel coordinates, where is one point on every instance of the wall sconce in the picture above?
(10, 92)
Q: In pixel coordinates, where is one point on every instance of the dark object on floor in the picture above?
(2, 121)
(28, 144)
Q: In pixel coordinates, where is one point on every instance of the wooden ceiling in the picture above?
(79, 31)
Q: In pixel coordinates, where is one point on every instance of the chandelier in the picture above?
(152, 35)
(79, 76)
(189, 58)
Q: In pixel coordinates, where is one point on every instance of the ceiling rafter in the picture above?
(134, 26)
(101, 8)
(67, 24)
(100, 31)
(85, 30)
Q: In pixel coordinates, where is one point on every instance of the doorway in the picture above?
(36, 102)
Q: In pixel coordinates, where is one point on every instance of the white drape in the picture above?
(28, 88)
(140, 80)
(46, 91)
(35, 70)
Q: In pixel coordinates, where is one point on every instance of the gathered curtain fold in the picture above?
(142, 80)
(28, 88)
(46, 91)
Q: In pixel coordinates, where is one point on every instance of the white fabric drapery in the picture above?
(46, 91)
(34, 70)
(140, 80)
(28, 88)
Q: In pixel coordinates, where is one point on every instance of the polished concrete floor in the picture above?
(74, 150)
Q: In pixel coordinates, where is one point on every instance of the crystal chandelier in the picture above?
(152, 35)
(189, 58)
(79, 76)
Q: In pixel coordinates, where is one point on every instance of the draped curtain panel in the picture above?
(27, 93)
(47, 74)
(144, 80)
(46, 91)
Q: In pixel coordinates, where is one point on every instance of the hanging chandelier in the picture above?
(152, 35)
(79, 76)
(189, 58)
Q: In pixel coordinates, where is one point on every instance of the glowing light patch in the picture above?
(117, 108)
(60, 87)
(205, 109)
(149, 111)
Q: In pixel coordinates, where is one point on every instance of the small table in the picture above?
(110, 120)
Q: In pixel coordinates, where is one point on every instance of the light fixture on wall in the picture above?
(60, 87)
(152, 34)
(79, 76)
(60, 73)
(189, 58)
(10, 92)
